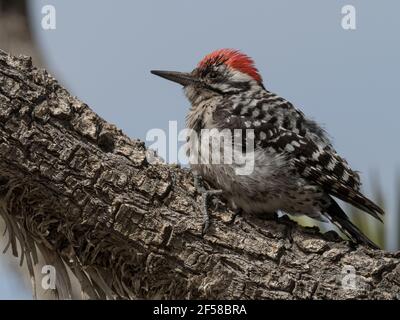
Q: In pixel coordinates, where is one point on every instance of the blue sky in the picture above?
(348, 80)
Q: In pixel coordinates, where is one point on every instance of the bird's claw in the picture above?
(206, 196)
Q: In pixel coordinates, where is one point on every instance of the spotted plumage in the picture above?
(296, 168)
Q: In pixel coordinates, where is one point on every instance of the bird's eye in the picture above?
(212, 75)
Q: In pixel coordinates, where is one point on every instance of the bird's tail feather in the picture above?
(363, 203)
(337, 216)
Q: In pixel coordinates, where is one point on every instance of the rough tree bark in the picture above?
(88, 198)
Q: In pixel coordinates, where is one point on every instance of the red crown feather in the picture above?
(234, 59)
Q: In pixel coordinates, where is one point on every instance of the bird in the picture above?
(296, 169)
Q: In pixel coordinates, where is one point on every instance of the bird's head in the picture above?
(225, 71)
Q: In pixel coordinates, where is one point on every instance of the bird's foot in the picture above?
(206, 196)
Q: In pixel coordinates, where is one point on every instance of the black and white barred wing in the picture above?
(280, 128)
(321, 165)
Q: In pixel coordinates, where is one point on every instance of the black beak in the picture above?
(182, 78)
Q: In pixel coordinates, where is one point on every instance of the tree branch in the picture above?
(86, 195)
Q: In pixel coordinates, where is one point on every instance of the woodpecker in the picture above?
(296, 168)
